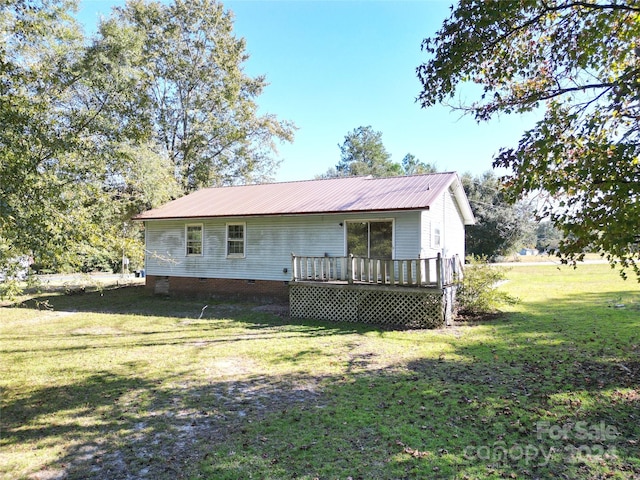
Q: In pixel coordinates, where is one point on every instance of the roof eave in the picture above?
(139, 218)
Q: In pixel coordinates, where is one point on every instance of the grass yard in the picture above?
(118, 384)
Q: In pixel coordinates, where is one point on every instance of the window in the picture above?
(436, 235)
(194, 239)
(235, 240)
(370, 239)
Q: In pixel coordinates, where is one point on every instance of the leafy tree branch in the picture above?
(578, 64)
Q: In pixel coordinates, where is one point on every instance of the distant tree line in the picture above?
(363, 153)
(502, 227)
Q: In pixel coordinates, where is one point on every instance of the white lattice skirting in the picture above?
(401, 307)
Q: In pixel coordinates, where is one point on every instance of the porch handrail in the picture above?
(436, 271)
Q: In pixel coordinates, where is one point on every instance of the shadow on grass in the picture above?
(137, 301)
(25, 417)
(186, 337)
(554, 393)
(185, 312)
(83, 420)
(434, 419)
(594, 328)
(441, 419)
(110, 426)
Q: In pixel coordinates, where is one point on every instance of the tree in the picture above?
(548, 237)
(411, 165)
(71, 174)
(49, 174)
(580, 62)
(363, 153)
(191, 93)
(155, 106)
(501, 228)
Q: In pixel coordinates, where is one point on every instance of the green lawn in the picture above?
(119, 384)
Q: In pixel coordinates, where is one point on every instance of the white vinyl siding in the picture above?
(443, 216)
(453, 243)
(268, 244)
(407, 235)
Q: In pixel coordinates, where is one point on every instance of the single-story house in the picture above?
(244, 240)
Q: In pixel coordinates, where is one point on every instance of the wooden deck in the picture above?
(410, 293)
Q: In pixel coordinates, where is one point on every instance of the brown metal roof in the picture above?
(334, 195)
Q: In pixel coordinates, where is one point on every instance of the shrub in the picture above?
(478, 292)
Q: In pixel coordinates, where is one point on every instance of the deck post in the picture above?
(459, 270)
(439, 270)
(350, 268)
(294, 274)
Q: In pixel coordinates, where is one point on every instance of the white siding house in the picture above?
(248, 233)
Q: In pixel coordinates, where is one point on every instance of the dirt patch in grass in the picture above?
(180, 426)
(475, 319)
(279, 309)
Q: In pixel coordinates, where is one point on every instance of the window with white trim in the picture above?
(436, 235)
(235, 240)
(193, 237)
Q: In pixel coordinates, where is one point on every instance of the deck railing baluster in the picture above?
(423, 272)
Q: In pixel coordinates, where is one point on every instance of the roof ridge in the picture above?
(285, 182)
(413, 175)
(342, 177)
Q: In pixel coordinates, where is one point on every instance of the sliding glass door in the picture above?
(373, 239)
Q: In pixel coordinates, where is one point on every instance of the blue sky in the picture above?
(333, 66)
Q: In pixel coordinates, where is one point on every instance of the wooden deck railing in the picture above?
(420, 272)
